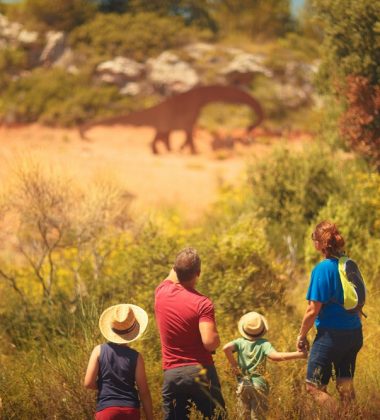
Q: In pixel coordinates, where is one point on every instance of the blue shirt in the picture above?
(326, 287)
(116, 377)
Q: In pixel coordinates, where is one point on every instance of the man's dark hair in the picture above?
(187, 264)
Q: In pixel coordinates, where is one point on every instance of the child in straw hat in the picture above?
(115, 369)
(252, 351)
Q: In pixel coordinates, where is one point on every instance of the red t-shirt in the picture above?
(178, 313)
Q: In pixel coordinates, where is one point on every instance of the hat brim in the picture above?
(105, 322)
(250, 337)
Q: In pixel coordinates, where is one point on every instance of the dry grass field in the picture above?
(170, 180)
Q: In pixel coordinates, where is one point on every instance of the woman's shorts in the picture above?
(118, 413)
(333, 348)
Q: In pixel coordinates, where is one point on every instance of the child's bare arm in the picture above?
(92, 369)
(279, 356)
(228, 351)
(143, 388)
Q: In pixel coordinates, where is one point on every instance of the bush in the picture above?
(57, 98)
(136, 36)
(356, 210)
(351, 44)
(261, 18)
(240, 273)
(58, 233)
(289, 189)
(61, 15)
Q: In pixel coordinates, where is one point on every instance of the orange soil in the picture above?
(188, 183)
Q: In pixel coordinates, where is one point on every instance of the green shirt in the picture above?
(252, 356)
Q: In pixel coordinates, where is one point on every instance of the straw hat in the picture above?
(252, 325)
(123, 323)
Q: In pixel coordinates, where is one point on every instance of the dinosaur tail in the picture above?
(137, 118)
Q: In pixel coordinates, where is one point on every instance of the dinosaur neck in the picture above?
(230, 94)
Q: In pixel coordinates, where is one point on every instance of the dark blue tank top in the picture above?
(116, 378)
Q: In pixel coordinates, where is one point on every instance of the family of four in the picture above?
(189, 337)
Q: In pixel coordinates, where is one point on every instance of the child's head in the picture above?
(252, 326)
(123, 323)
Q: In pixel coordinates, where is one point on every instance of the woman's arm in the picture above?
(312, 310)
(228, 349)
(92, 369)
(143, 388)
(279, 356)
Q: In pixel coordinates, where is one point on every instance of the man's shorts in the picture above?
(333, 348)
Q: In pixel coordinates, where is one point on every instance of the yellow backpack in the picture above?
(354, 290)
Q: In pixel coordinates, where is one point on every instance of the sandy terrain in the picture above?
(189, 183)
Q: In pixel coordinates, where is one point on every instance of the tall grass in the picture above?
(45, 343)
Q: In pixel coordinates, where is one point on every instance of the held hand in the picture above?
(303, 354)
(302, 344)
(235, 370)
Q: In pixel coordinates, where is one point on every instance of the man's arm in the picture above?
(312, 310)
(173, 276)
(209, 335)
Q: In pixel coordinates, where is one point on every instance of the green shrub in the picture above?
(12, 60)
(289, 189)
(356, 210)
(136, 36)
(61, 15)
(240, 272)
(351, 42)
(56, 97)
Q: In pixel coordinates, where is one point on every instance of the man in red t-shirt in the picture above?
(186, 322)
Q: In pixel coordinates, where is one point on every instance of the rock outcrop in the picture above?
(168, 74)
(120, 71)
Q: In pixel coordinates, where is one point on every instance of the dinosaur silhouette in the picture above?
(180, 112)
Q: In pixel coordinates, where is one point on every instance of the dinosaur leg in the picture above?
(160, 136)
(165, 139)
(189, 142)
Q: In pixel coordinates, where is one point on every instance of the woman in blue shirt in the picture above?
(339, 333)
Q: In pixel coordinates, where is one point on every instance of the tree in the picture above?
(55, 229)
(193, 12)
(360, 124)
(113, 6)
(263, 18)
(62, 15)
(351, 68)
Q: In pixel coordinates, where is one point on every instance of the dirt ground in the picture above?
(169, 180)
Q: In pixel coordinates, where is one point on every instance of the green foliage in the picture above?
(113, 6)
(356, 210)
(351, 68)
(240, 273)
(193, 12)
(289, 189)
(136, 36)
(63, 15)
(45, 347)
(12, 60)
(295, 46)
(352, 40)
(258, 18)
(56, 97)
